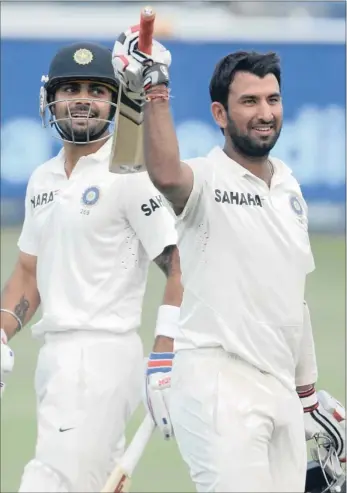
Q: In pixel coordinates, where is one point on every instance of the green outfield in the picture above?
(161, 469)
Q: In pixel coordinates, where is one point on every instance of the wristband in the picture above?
(13, 315)
(167, 321)
(309, 399)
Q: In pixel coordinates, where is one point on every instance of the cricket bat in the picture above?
(127, 144)
(120, 478)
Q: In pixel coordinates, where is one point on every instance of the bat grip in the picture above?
(146, 33)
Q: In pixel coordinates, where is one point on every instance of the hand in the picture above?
(158, 385)
(326, 417)
(135, 70)
(7, 359)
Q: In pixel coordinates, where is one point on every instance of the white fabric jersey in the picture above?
(94, 235)
(245, 253)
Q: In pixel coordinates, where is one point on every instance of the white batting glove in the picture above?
(7, 359)
(325, 416)
(135, 70)
(158, 384)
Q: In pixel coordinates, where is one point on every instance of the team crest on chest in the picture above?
(90, 196)
(296, 205)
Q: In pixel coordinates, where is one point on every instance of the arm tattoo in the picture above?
(21, 310)
(164, 260)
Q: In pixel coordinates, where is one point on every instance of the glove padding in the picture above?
(327, 419)
(7, 359)
(131, 66)
(158, 383)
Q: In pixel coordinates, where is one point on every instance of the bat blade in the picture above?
(119, 481)
(127, 143)
(120, 478)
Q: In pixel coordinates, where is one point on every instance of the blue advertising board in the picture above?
(313, 140)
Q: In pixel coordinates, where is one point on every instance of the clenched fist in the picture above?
(137, 71)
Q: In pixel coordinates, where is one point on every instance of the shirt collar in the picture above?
(99, 156)
(218, 156)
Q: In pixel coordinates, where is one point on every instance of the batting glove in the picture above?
(158, 384)
(7, 359)
(325, 416)
(137, 71)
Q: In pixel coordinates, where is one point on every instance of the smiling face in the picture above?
(81, 109)
(254, 117)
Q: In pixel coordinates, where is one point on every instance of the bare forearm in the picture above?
(168, 315)
(20, 296)
(160, 143)
(169, 263)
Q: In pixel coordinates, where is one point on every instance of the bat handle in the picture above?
(146, 30)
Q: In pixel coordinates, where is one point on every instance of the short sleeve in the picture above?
(148, 215)
(28, 241)
(198, 168)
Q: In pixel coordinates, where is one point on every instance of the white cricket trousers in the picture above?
(238, 429)
(87, 384)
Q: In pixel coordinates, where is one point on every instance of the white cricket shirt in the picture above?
(245, 253)
(94, 235)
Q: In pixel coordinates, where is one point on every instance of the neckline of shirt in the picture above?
(97, 157)
(281, 170)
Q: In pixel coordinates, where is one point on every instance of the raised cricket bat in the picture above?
(120, 478)
(127, 145)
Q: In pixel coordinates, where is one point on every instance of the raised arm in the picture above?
(20, 297)
(169, 175)
(139, 73)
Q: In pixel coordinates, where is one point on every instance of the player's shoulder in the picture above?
(289, 178)
(46, 169)
(136, 181)
(138, 187)
(207, 164)
(197, 163)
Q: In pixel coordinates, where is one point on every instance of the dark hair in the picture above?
(241, 61)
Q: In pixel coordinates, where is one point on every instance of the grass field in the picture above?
(161, 469)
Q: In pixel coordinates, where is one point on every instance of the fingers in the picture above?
(158, 408)
(157, 392)
(130, 63)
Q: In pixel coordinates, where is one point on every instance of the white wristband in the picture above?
(309, 399)
(167, 321)
(10, 312)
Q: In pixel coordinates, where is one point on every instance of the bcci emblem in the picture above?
(83, 56)
(296, 206)
(91, 196)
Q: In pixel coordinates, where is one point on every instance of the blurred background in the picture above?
(310, 39)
